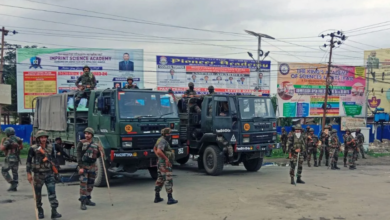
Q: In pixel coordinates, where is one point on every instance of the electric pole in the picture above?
(328, 81)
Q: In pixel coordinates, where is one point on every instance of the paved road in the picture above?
(237, 194)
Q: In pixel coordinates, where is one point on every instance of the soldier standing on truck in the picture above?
(88, 83)
(87, 154)
(164, 166)
(11, 145)
(191, 90)
(211, 90)
(296, 145)
(193, 107)
(360, 141)
(226, 145)
(130, 84)
(39, 161)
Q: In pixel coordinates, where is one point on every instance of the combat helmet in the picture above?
(90, 130)
(298, 127)
(190, 84)
(358, 130)
(333, 131)
(165, 131)
(348, 130)
(41, 133)
(86, 66)
(130, 78)
(311, 130)
(9, 131)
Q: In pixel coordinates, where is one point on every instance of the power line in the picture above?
(356, 29)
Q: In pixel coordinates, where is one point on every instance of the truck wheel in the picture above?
(100, 179)
(183, 160)
(253, 165)
(212, 160)
(153, 172)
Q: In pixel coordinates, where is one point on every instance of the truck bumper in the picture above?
(254, 148)
(118, 156)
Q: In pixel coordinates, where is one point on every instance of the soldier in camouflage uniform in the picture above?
(350, 145)
(296, 144)
(39, 161)
(305, 135)
(88, 83)
(283, 139)
(12, 146)
(345, 150)
(312, 143)
(334, 149)
(191, 90)
(130, 84)
(193, 106)
(87, 153)
(324, 149)
(290, 134)
(360, 142)
(166, 156)
(211, 90)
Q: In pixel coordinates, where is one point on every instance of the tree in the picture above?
(274, 100)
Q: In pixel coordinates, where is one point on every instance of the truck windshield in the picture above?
(146, 105)
(256, 107)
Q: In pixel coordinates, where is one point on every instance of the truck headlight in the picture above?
(175, 141)
(127, 144)
(245, 140)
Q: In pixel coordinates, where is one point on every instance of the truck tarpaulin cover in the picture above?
(50, 112)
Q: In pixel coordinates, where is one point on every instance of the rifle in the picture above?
(53, 165)
(296, 169)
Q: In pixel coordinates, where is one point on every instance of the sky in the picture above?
(203, 28)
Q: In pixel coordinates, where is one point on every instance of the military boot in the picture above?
(352, 168)
(292, 181)
(13, 187)
(40, 213)
(308, 163)
(363, 156)
(83, 204)
(327, 163)
(345, 163)
(319, 163)
(332, 166)
(55, 214)
(171, 200)
(157, 198)
(90, 203)
(300, 180)
(315, 163)
(335, 166)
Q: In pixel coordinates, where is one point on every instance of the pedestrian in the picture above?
(211, 90)
(312, 144)
(88, 152)
(283, 139)
(351, 145)
(130, 84)
(334, 149)
(88, 83)
(11, 145)
(190, 90)
(360, 142)
(166, 156)
(325, 146)
(296, 145)
(39, 162)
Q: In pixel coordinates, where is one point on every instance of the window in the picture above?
(222, 108)
(209, 108)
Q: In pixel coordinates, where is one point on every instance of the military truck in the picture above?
(127, 123)
(248, 124)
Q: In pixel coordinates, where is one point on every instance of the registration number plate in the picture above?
(180, 151)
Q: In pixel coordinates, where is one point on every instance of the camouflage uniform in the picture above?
(312, 143)
(191, 90)
(306, 133)
(345, 151)
(324, 147)
(128, 86)
(87, 79)
(334, 149)
(87, 154)
(351, 148)
(12, 146)
(211, 90)
(192, 106)
(40, 165)
(283, 139)
(360, 142)
(295, 143)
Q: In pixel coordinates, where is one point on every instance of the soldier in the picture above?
(360, 142)
(325, 146)
(166, 157)
(334, 149)
(312, 143)
(193, 107)
(283, 139)
(11, 147)
(296, 145)
(191, 90)
(350, 145)
(39, 161)
(345, 150)
(130, 84)
(88, 83)
(211, 90)
(59, 153)
(305, 136)
(87, 153)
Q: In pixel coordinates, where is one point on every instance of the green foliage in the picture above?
(278, 153)
(285, 121)
(274, 100)
(376, 155)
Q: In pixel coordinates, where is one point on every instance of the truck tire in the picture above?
(153, 172)
(213, 160)
(183, 160)
(100, 179)
(253, 165)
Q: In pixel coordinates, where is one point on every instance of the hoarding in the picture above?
(301, 90)
(352, 123)
(378, 64)
(5, 94)
(43, 71)
(228, 76)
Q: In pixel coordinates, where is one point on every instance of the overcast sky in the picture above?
(297, 22)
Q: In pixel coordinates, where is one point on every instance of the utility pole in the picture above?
(328, 81)
(3, 33)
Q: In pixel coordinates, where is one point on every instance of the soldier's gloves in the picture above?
(29, 178)
(298, 150)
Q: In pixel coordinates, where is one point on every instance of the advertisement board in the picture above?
(378, 65)
(352, 123)
(301, 90)
(228, 76)
(43, 71)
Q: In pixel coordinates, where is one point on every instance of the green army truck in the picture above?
(127, 123)
(247, 123)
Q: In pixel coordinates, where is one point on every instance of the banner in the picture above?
(352, 123)
(378, 65)
(43, 71)
(301, 90)
(228, 76)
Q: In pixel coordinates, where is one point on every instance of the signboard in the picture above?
(378, 62)
(43, 71)
(301, 90)
(228, 76)
(352, 123)
(5, 94)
